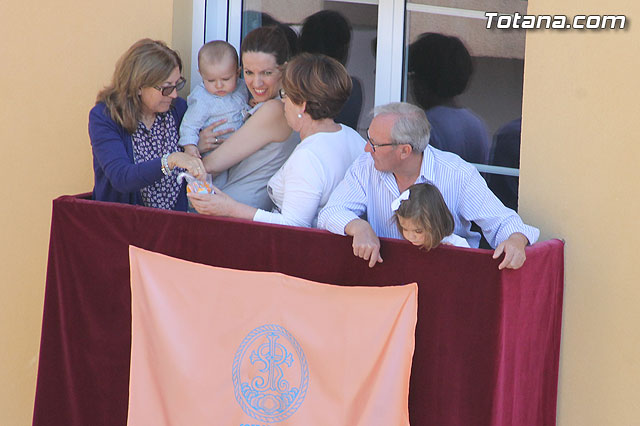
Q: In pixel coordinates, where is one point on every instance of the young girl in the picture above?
(424, 219)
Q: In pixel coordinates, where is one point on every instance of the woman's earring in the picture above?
(299, 115)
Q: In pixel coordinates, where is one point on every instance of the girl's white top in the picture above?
(455, 240)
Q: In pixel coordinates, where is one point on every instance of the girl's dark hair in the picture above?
(440, 66)
(427, 207)
(271, 40)
(320, 81)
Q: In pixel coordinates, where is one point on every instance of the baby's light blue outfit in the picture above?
(203, 108)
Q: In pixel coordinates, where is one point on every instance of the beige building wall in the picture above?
(181, 38)
(580, 180)
(579, 177)
(55, 55)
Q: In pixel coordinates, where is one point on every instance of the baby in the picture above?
(424, 219)
(220, 95)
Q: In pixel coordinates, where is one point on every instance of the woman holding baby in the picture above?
(314, 89)
(256, 150)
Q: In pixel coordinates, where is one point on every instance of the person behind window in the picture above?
(134, 130)
(254, 152)
(440, 68)
(315, 87)
(505, 152)
(424, 219)
(329, 32)
(252, 19)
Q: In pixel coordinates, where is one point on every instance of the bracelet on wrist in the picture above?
(164, 161)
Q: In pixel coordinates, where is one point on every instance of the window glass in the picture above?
(480, 121)
(490, 103)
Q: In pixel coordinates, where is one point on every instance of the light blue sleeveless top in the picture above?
(246, 182)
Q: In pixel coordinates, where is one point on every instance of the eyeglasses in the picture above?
(168, 90)
(377, 145)
(282, 93)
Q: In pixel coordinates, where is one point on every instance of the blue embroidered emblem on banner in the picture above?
(270, 374)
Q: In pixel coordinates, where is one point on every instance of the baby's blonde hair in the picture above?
(215, 51)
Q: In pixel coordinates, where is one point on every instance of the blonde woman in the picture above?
(134, 131)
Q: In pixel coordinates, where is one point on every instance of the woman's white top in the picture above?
(455, 240)
(304, 183)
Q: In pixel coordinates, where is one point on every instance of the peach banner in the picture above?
(216, 346)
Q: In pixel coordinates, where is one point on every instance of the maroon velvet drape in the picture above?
(487, 341)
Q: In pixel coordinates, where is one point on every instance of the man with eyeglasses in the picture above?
(399, 155)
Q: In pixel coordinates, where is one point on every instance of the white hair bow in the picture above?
(395, 204)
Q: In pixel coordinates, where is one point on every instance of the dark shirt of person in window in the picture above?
(440, 68)
(506, 152)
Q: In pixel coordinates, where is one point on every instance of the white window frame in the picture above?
(217, 20)
(222, 24)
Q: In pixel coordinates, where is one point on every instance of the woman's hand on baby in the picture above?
(210, 138)
(185, 161)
